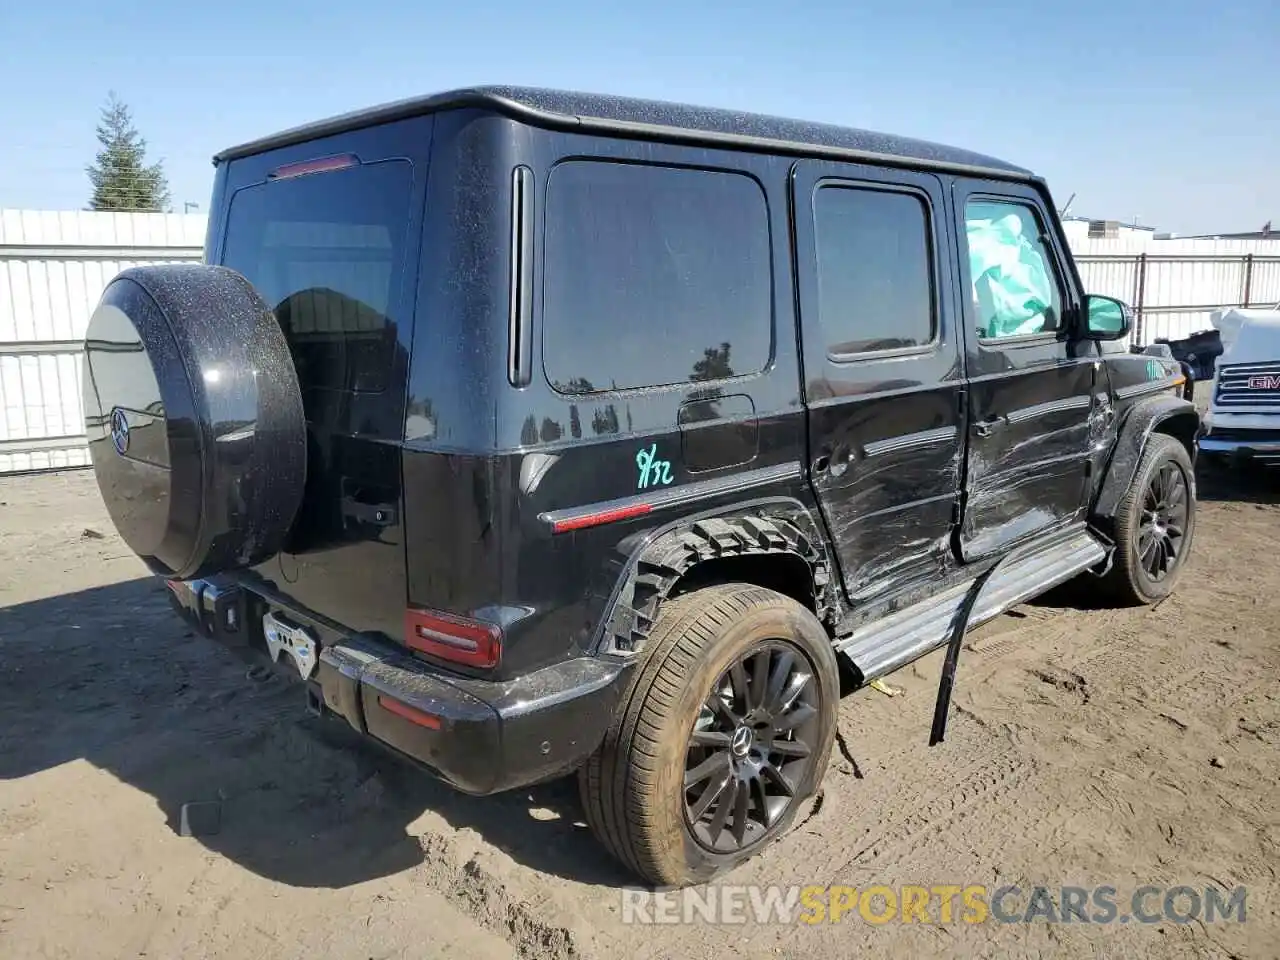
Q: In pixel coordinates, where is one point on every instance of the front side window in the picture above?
(1013, 284)
(654, 276)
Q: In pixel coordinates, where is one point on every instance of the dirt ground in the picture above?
(1087, 747)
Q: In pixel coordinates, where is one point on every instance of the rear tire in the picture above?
(694, 773)
(1154, 525)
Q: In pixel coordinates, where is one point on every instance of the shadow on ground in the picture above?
(1240, 482)
(112, 676)
(1216, 482)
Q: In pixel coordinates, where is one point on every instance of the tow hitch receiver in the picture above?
(315, 699)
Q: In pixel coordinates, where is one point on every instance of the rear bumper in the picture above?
(480, 736)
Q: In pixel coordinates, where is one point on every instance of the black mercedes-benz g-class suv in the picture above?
(545, 432)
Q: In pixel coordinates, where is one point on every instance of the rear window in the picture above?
(326, 251)
(654, 276)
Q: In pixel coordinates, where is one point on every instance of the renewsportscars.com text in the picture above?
(938, 904)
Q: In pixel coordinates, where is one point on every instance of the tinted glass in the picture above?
(326, 250)
(875, 269)
(1012, 280)
(654, 276)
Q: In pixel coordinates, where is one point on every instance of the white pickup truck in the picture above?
(1244, 408)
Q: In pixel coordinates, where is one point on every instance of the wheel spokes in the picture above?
(718, 762)
(741, 688)
(708, 797)
(716, 826)
(775, 776)
(750, 747)
(800, 681)
(801, 714)
(1166, 514)
(740, 820)
(791, 748)
(1151, 556)
(778, 678)
(759, 680)
(716, 739)
(760, 800)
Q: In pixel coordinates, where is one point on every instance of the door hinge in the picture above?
(955, 513)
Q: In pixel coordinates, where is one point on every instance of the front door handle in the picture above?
(984, 428)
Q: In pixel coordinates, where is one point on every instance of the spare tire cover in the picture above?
(194, 417)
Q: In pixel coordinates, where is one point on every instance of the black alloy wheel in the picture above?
(1165, 507)
(750, 748)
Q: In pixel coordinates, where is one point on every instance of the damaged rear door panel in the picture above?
(882, 367)
(1033, 385)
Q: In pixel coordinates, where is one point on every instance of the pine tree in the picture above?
(121, 178)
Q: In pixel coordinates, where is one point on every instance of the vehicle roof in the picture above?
(655, 120)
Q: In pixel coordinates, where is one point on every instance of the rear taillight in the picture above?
(473, 643)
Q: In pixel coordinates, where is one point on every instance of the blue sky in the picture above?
(1168, 111)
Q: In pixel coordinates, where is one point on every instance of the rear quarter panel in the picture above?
(551, 451)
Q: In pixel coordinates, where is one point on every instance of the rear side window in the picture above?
(326, 251)
(654, 276)
(875, 270)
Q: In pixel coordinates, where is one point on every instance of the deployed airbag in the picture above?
(1012, 287)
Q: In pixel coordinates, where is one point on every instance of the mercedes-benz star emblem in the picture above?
(119, 431)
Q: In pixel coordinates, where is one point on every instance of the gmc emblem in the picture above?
(1270, 381)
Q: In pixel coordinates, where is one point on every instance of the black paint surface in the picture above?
(429, 485)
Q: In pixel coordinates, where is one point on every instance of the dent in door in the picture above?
(1018, 487)
(878, 507)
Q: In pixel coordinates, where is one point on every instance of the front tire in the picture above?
(724, 732)
(1154, 525)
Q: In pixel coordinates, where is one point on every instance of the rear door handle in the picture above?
(836, 461)
(984, 428)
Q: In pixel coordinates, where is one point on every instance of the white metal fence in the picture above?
(55, 264)
(53, 268)
(1173, 285)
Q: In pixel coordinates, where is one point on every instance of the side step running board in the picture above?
(883, 645)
